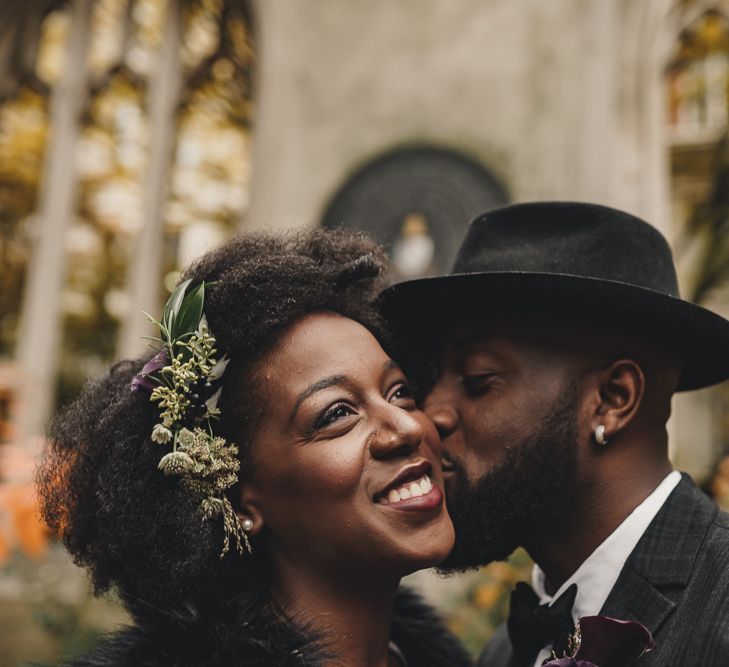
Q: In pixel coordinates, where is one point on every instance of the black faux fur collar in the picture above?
(244, 634)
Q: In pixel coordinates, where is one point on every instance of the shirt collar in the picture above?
(597, 575)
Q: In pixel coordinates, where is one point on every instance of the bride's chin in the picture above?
(428, 550)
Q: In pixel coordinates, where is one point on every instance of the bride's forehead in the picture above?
(320, 330)
(322, 344)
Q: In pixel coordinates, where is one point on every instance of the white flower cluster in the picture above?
(181, 380)
(208, 466)
(200, 366)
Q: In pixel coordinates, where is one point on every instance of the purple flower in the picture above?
(609, 642)
(142, 384)
(142, 380)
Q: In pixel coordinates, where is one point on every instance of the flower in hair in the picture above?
(183, 379)
(161, 434)
(176, 463)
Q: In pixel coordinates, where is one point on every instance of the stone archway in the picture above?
(417, 201)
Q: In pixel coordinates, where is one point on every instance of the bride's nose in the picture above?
(399, 433)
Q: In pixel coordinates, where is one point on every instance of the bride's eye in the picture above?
(333, 414)
(402, 395)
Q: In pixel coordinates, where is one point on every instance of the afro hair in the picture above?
(138, 531)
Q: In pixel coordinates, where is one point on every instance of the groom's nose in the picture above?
(441, 412)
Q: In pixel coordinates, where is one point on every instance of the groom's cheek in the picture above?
(481, 445)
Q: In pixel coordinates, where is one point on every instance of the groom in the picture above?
(560, 339)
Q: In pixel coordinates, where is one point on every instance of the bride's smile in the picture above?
(412, 490)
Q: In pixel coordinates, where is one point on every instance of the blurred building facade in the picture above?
(136, 134)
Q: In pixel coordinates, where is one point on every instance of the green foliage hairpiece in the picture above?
(184, 379)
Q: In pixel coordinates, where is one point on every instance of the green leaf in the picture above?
(190, 312)
(173, 305)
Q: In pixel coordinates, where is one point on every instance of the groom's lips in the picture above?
(447, 466)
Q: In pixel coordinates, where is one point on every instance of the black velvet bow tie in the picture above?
(533, 626)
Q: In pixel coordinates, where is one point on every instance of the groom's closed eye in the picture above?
(476, 384)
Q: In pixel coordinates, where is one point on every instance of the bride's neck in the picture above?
(352, 613)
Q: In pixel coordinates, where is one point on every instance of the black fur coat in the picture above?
(245, 634)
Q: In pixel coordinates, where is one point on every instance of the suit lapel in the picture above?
(635, 599)
(657, 572)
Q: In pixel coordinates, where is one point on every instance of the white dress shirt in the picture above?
(597, 575)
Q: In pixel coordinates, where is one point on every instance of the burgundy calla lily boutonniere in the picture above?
(601, 641)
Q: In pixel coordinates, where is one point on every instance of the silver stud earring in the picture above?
(600, 434)
(247, 525)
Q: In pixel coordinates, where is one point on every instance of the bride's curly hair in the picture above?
(137, 530)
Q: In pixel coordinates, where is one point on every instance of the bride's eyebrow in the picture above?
(324, 383)
(391, 364)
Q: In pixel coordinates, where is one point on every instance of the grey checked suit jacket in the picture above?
(676, 583)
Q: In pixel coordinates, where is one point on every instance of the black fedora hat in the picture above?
(589, 263)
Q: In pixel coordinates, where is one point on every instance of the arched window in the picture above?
(697, 86)
(698, 76)
(697, 94)
(418, 202)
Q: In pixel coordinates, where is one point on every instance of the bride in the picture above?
(257, 488)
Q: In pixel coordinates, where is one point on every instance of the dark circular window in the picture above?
(418, 202)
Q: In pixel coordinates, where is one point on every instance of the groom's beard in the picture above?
(494, 514)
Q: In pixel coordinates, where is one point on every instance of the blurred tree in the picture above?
(163, 87)
(708, 227)
(20, 34)
(698, 74)
(697, 80)
(196, 183)
(23, 124)
(23, 121)
(697, 119)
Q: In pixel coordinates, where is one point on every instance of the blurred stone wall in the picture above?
(546, 95)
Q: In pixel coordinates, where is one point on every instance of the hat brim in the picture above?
(700, 337)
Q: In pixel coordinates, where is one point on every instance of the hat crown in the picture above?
(569, 238)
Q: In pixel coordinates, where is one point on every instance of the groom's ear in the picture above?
(621, 390)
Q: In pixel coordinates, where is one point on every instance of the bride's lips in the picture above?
(426, 503)
(412, 490)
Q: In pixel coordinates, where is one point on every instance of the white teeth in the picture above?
(415, 490)
(426, 485)
(412, 490)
